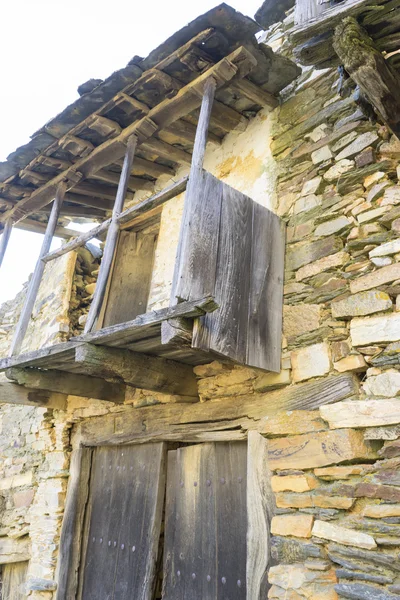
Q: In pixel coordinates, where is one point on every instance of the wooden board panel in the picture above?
(131, 277)
(14, 579)
(206, 524)
(196, 262)
(264, 338)
(123, 523)
(225, 332)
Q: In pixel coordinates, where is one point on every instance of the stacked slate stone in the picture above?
(83, 286)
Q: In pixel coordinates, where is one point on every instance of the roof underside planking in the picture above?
(84, 145)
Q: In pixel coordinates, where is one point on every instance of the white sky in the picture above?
(48, 48)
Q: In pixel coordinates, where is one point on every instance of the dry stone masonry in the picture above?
(336, 467)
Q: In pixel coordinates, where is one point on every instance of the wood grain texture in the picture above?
(306, 10)
(112, 237)
(139, 370)
(226, 332)
(124, 522)
(260, 510)
(11, 393)
(264, 336)
(196, 262)
(130, 278)
(205, 520)
(67, 384)
(73, 522)
(222, 419)
(14, 579)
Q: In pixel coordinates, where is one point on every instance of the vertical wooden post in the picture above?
(200, 141)
(5, 238)
(38, 272)
(112, 237)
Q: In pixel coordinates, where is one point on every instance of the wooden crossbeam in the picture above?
(139, 370)
(134, 183)
(38, 273)
(112, 237)
(255, 93)
(12, 393)
(68, 383)
(125, 219)
(236, 65)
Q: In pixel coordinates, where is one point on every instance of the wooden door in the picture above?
(13, 579)
(122, 523)
(206, 523)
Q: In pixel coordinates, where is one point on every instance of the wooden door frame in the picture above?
(260, 509)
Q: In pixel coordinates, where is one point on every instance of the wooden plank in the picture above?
(131, 277)
(34, 283)
(370, 70)
(226, 331)
(65, 383)
(11, 393)
(78, 242)
(305, 10)
(13, 578)
(196, 263)
(255, 93)
(73, 522)
(260, 510)
(14, 550)
(112, 237)
(167, 151)
(5, 237)
(205, 520)
(236, 65)
(264, 337)
(124, 522)
(136, 369)
(29, 359)
(129, 330)
(195, 422)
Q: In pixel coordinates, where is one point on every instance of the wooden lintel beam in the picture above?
(68, 383)
(370, 70)
(12, 393)
(139, 370)
(236, 65)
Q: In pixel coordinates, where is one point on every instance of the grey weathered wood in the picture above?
(11, 393)
(38, 273)
(370, 70)
(196, 263)
(177, 332)
(13, 577)
(4, 239)
(123, 523)
(305, 10)
(73, 523)
(67, 383)
(200, 141)
(112, 237)
(260, 510)
(78, 242)
(255, 93)
(136, 369)
(264, 337)
(14, 550)
(130, 280)
(205, 520)
(180, 422)
(226, 331)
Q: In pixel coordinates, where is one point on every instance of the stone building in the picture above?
(163, 434)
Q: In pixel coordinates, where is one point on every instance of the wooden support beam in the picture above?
(12, 393)
(84, 200)
(4, 239)
(230, 420)
(236, 65)
(164, 150)
(77, 242)
(107, 192)
(139, 370)
(77, 211)
(134, 183)
(370, 70)
(38, 273)
(112, 238)
(147, 167)
(255, 93)
(71, 384)
(39, 227)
